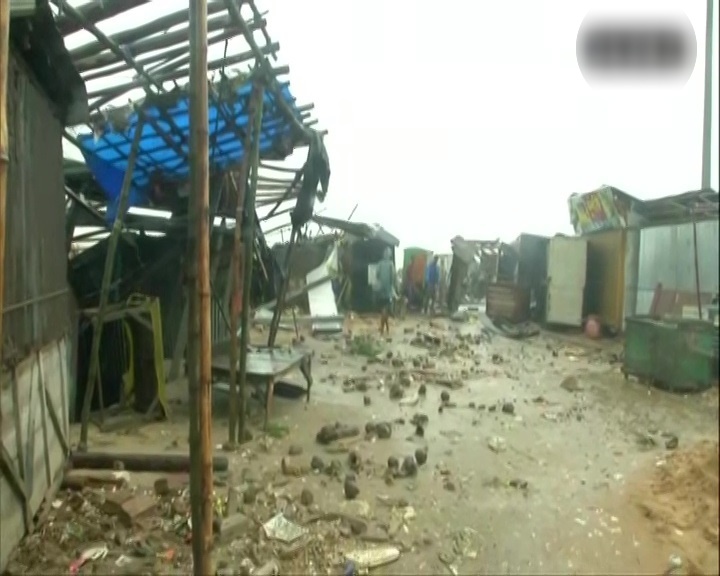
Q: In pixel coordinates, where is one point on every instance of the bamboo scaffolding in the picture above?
(199, 382)
(270, 75)
(157, 45)
(158, 26)
(157, 62)
(95, 12)
(117, 91)
(98, 318)
(249, 229)
(4, 148)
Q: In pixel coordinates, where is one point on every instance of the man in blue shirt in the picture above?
(432, 283)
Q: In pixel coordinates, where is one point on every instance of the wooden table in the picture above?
(265, 366)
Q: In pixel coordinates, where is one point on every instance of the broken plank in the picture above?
(79, 479)
(141, 462)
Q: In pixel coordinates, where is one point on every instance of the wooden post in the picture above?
(4, 151)
(280, 306)
(235, 275)
(249, 233)
(99, 318)
(201, 473)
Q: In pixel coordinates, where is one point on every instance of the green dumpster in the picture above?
(677, 355)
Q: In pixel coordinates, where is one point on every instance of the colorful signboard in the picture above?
(595, 211)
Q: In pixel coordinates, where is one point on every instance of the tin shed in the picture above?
(44, 92)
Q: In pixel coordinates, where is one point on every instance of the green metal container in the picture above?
(675, 355)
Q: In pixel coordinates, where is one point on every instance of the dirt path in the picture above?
(533, 465)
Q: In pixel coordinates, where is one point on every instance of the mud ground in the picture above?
(544, 460)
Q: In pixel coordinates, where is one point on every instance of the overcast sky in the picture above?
(474, 119)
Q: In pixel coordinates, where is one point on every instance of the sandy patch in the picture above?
(680, 499)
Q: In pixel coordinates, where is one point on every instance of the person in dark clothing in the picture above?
(432, 284)
(386, 289)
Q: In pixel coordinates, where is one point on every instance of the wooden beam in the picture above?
(107, 63)
(4, 148)
(108, 94)
(201, 472)
(236, 262)
(134, 462)
(95, 11)
(134, 34)
(249, 233)
(123, 204)
(104, 40)
(267, 70)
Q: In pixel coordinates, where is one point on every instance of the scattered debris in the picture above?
(372, 557)
(281, 529)
(497, 444)
(571, 384)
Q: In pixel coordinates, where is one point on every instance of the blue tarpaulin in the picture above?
(107, 155)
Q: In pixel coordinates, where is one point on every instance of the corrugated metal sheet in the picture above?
(33, 416)
(36, 319)
(666, 257)
(507, 301)
(36, 307)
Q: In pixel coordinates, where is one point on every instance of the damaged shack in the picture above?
(656, 257)
(355, 249)
(37, 343)
(128, 201)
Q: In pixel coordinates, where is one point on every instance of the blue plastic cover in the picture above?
(107, 156)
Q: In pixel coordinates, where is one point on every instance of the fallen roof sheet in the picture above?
(139, 48)
(695, 205)
(358, 229)
(107, 156)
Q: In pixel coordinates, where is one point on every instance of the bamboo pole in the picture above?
(98, 319)
(280, 306)
(249, 233)
(201, 471)
(4, 150)
(235, 263)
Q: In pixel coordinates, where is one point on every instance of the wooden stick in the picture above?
(201, 472)
(98, 319)
(4, 149)
(281, 300)
(169, 76)
(95, 11)
(162, 43)
(137, 33)
(134, 462)
(235, 263)
(103, 40)
(155, 62)
(249, 230)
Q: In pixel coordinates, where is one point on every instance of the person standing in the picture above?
(432, 283)
(386, 289)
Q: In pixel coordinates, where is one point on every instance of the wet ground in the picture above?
(541, 458)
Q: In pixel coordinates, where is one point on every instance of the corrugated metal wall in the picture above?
(36, 307)
(666, 256)
(36, 316)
